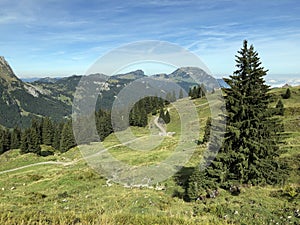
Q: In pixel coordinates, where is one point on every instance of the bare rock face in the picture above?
(7, 76)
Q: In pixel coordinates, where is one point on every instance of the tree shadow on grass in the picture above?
(182, 179)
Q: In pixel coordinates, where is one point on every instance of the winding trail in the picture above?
(37, 164)
(162, 129)
(159, 126)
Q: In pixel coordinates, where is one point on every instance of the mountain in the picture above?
(7, 76)
(20, 102)
(134, 75)
(43, 80)
(48, 80)
(30, 79)
(63, 89)
(222, 83)
(189, 76)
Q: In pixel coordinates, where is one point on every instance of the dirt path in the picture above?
(160, 127)
(66, 163)
(36, 164)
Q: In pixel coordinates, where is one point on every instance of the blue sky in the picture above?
(65, 37)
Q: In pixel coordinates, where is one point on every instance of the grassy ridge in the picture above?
(75, 194)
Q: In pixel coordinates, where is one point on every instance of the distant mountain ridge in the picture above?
(21, 101)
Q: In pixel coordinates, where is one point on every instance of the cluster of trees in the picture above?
(9, 139)
(139, 113)
(46, 132)
(40, 132)
(198, 91)
(164, 116)
(249, 153)
(171, 96)
(60, 135)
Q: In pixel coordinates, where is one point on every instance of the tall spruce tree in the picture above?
(207, 130)
(34, 140)
(167, 117)
(103, 124)
(47, 131)
(25, 141)
(249, 153)
(4, 140)
(57, 135)
(67, 138)
(287, 94)
(197, 185)
(15, 138)
(280, 108)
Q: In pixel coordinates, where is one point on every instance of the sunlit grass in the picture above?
(76, 194)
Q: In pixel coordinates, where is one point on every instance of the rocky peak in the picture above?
(6, 72)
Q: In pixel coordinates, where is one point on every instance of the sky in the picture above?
(64, 37)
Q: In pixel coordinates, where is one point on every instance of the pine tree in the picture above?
(199, 93)
(67, 138)
(4, 140)
(47, 131)
(207, 130)
(36, 125)
(287, 94)
(103, 123)
(280, 108)
(194, 92)
(249, 153)
(15, 138)
(34, 140)
(198, 185)
(190, 92)
(167, 117)
(57, 135)
(25, 141)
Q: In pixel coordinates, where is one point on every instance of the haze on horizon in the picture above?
(61, 38)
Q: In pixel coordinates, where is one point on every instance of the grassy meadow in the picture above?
(70, 192)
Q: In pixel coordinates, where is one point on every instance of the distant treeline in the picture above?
(198, 91)
(41, 132)
(60, 135)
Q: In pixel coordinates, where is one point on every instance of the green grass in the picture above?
(76, 194)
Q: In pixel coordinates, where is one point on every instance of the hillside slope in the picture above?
(20, 102)
(71, 192)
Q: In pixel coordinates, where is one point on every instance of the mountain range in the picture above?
(21, 101)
